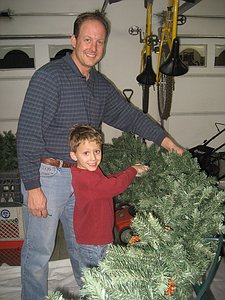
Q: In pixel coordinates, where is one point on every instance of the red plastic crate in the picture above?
(11, 223)
(11, 233)
(10, 252)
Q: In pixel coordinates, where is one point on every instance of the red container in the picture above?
(10, 252)
(123, 220)
(11, 233)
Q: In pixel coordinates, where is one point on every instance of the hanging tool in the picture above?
(128, 93)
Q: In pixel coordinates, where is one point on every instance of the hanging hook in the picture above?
(128, 93)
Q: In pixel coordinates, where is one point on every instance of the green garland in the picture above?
(177, 206)
(8, 158)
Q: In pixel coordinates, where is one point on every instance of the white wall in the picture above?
(198, 100)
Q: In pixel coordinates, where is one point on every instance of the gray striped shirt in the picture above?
(58, 97)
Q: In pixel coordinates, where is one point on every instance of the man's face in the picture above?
(88, 155)
(89, 46)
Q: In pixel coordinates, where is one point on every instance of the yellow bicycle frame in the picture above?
(146, 50)
(169, 62)
(148, 28)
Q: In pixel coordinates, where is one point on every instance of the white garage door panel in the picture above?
(14, 91)
(194, 130)
(199, 95)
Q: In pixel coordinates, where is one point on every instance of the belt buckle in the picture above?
(60, 163)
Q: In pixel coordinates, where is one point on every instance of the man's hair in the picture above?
(81, 133)
(97, 15)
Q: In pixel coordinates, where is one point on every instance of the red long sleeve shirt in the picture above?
(93, 212)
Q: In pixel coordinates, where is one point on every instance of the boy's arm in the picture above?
(112, 185)
(119, 182)
(141, 169)
(116, 184)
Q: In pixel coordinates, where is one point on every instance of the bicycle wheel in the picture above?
(165, 87)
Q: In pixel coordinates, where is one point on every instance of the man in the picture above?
(60, 94)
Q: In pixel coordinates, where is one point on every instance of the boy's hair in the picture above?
(81, 133)
(97, 15)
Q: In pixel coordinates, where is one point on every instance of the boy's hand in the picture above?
(141, 169)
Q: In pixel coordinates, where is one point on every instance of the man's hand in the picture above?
(170, 146)
(37, 203)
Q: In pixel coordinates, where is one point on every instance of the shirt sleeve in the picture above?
(116, 184)
(126, 117)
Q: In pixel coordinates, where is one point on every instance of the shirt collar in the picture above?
(75, 69)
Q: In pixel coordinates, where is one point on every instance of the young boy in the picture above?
(93, 212)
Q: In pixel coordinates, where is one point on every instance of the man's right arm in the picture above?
(37, 111)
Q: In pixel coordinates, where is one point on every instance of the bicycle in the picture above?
(169, 65)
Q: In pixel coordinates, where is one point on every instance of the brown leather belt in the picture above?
(56, 162)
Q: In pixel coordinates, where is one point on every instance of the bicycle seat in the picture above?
(147, 77)
(173, 65)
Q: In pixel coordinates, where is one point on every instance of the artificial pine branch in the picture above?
(8, 156)
(55, 296)
(177, 207)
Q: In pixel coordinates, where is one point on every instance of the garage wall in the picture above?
(198, 100)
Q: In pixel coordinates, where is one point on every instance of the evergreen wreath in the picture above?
(177, 207)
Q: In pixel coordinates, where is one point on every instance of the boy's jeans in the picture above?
(91, 255)
(41, 232)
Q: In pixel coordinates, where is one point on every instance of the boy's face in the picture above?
(88, 155)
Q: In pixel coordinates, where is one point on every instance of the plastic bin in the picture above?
(11, 233)
(10, 190)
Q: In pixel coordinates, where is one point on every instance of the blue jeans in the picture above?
(91, 255)
(41, 233)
